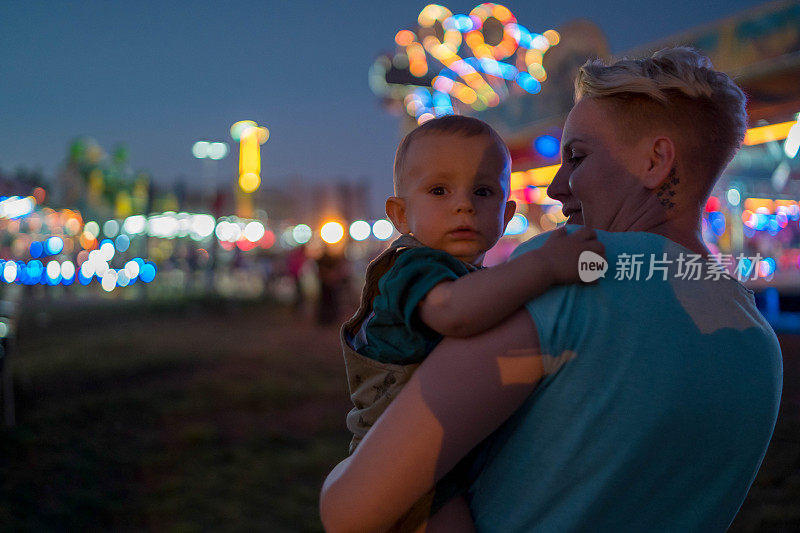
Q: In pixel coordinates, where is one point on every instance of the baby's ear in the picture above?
(511, 208)
(396, 211)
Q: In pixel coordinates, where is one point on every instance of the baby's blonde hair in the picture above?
(676, 89)
(458, 125)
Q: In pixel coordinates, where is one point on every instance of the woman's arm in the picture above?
(480, 300)
(461, 393)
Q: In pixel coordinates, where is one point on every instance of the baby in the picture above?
(451, 186)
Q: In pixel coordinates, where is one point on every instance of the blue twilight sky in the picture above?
(157, 76)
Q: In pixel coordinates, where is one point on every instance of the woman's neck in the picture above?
(682, 227)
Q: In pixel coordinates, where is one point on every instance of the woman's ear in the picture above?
(396, 211)
(661, 162)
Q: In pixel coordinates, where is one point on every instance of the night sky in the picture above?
(157, 76)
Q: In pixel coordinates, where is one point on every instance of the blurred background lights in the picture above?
(53, 245)
(107, 250)
(67, 269)
(132, 269)
(87, 270)
(16, 207)
(331, 232)
(360, 230)
(547, 145)
(134, 225)
(249, 181)
(111, 228)
(301, 233)
(53, 270)
(792, 143)
(253, 231)
(36, 249)
(92, 228)
(202, 225)
(211, 150)
(200, 149)
(734, 197)
(518, 225)
(122, 243)
(122, 278)
(382, 229)
(147, 272)
(109, 280)
(10, 272)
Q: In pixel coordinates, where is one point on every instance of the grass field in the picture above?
(179, 418)
(215, 416)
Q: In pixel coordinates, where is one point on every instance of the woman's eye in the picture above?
(438, 191)
(483, 191)
(575, 160)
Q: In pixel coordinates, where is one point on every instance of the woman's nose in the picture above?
(559, 187)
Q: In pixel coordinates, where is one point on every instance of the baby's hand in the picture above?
(562, 250)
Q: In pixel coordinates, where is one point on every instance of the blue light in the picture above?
(517, 225)
(68, 281)
(461, 23)
(547, 145)
(34, 271)
(717, 222)
(529, 83)
(122, 242)
(36, 249)
(745, 267)
(147, 273)
(525, 37)
(53, 245)
(83, 280)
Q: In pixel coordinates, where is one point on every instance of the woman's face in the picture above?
(596, 183)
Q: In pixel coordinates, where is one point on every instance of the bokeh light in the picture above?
(382, 229)
(331, 232)
(360, 230)
(301, 233)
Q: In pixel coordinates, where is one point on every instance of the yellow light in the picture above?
(552, 37)
(331, 232)
(519, 180)
(764, 134)
(249, 156)
(249, 181)
(542, 176)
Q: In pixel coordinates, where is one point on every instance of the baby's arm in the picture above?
(480, 300)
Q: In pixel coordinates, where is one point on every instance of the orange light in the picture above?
(404, 37)
(764, 134)
(752, 204)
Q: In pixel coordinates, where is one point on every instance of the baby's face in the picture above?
(455, 192)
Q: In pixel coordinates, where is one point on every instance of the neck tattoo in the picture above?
(666, 191)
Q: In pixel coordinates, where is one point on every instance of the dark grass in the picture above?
(211, 415)
(176, 418)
